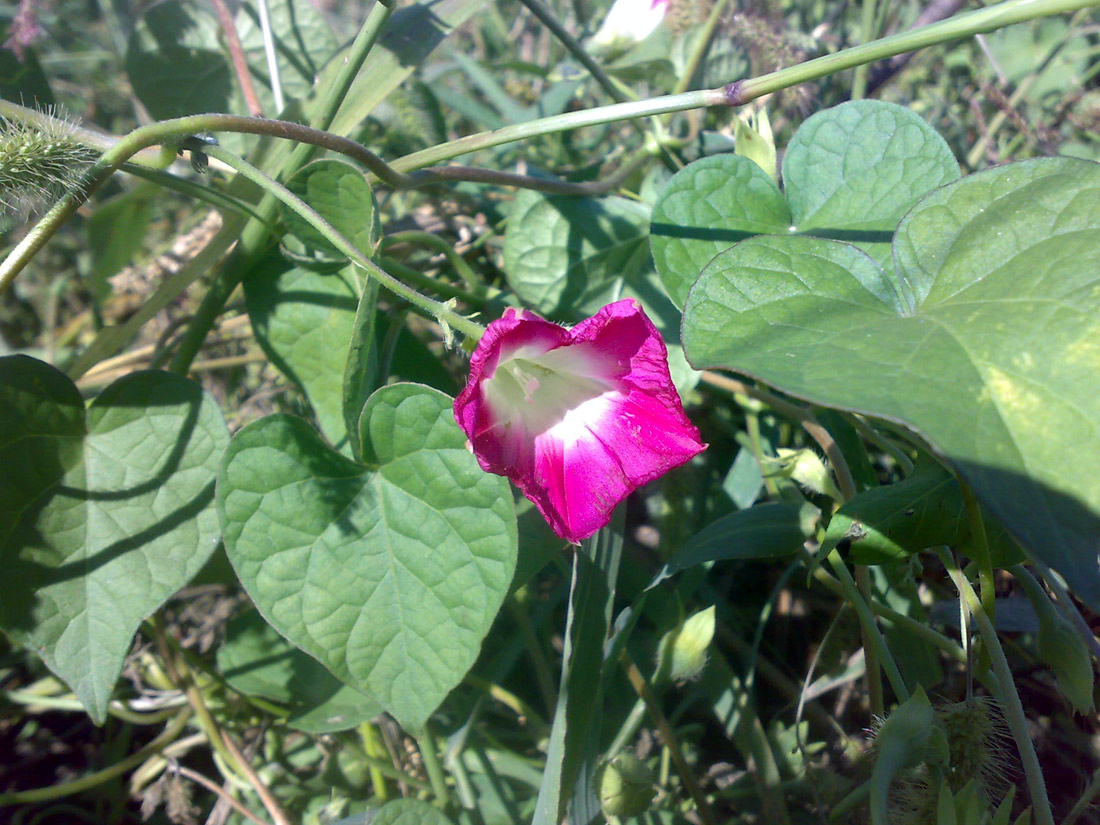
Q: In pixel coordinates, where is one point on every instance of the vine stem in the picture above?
(741, 92)
(873, 638)
(668, 736)
(1010, 697)
(63, 789)
(443, 312)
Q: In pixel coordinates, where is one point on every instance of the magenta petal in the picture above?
(579, 418)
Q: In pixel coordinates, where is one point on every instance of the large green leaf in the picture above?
(257, 661)
(570, 255)
(707, 207)
(176, 64)
(990, 352)
(389, 573)
(103, 515)
(304, 320)
(850, 172)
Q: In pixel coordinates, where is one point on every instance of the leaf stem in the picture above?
(873, 640)
(668, 736)
(979, 548)
(429, 751)
(443, 312)
(741, 92)
(1010, 698)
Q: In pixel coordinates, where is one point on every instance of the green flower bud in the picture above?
(625, 786)
(807, 468)
(1063, 649)
(689, 646)
(753, 140)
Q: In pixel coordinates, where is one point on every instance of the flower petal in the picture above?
(579, 418)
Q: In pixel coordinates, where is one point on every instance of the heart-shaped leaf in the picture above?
(103, 515)
(570, 255)
(340, 194)
(257, 661)
(304, 319)
(390, 574)
(850, 172)
(708, 206)
(989, 351)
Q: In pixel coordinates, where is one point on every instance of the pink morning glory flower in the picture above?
(576, 418)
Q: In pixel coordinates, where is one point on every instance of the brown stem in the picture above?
(236, 53)
(672, 742)
(272, 805)
(215, 788)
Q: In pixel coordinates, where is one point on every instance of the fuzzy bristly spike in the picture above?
(39, 163)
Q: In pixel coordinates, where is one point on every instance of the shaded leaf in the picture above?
(103, 515)
(570, 255)
(257, 661)
(303, 320)
(990, 353)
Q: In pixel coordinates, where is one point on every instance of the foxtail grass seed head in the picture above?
(39, 163)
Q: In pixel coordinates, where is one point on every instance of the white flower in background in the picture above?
(629, 22)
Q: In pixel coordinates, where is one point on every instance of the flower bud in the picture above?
(1063, 649)
(807, 468)
(625, 786)
(689, 646)
(753, 140)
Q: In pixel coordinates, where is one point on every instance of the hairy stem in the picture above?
(1010, 698)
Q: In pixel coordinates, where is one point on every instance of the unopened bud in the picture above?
(753, 140)
(689, 646)
(807, 468)
(625, 786)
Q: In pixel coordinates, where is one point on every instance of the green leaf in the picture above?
(116, 233)
(409, 812)
(707, 207)
(926, 509)
(570, 255)
(303, 320)
(303, 44)
(23, 81)
(340, 194)
(861, 166)
(411, 34)
(103, 515)
(389, 574)
(175, 63)
(892, 522)
(766, 531)
(850, 172)
(257, 661)
(993, 362)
